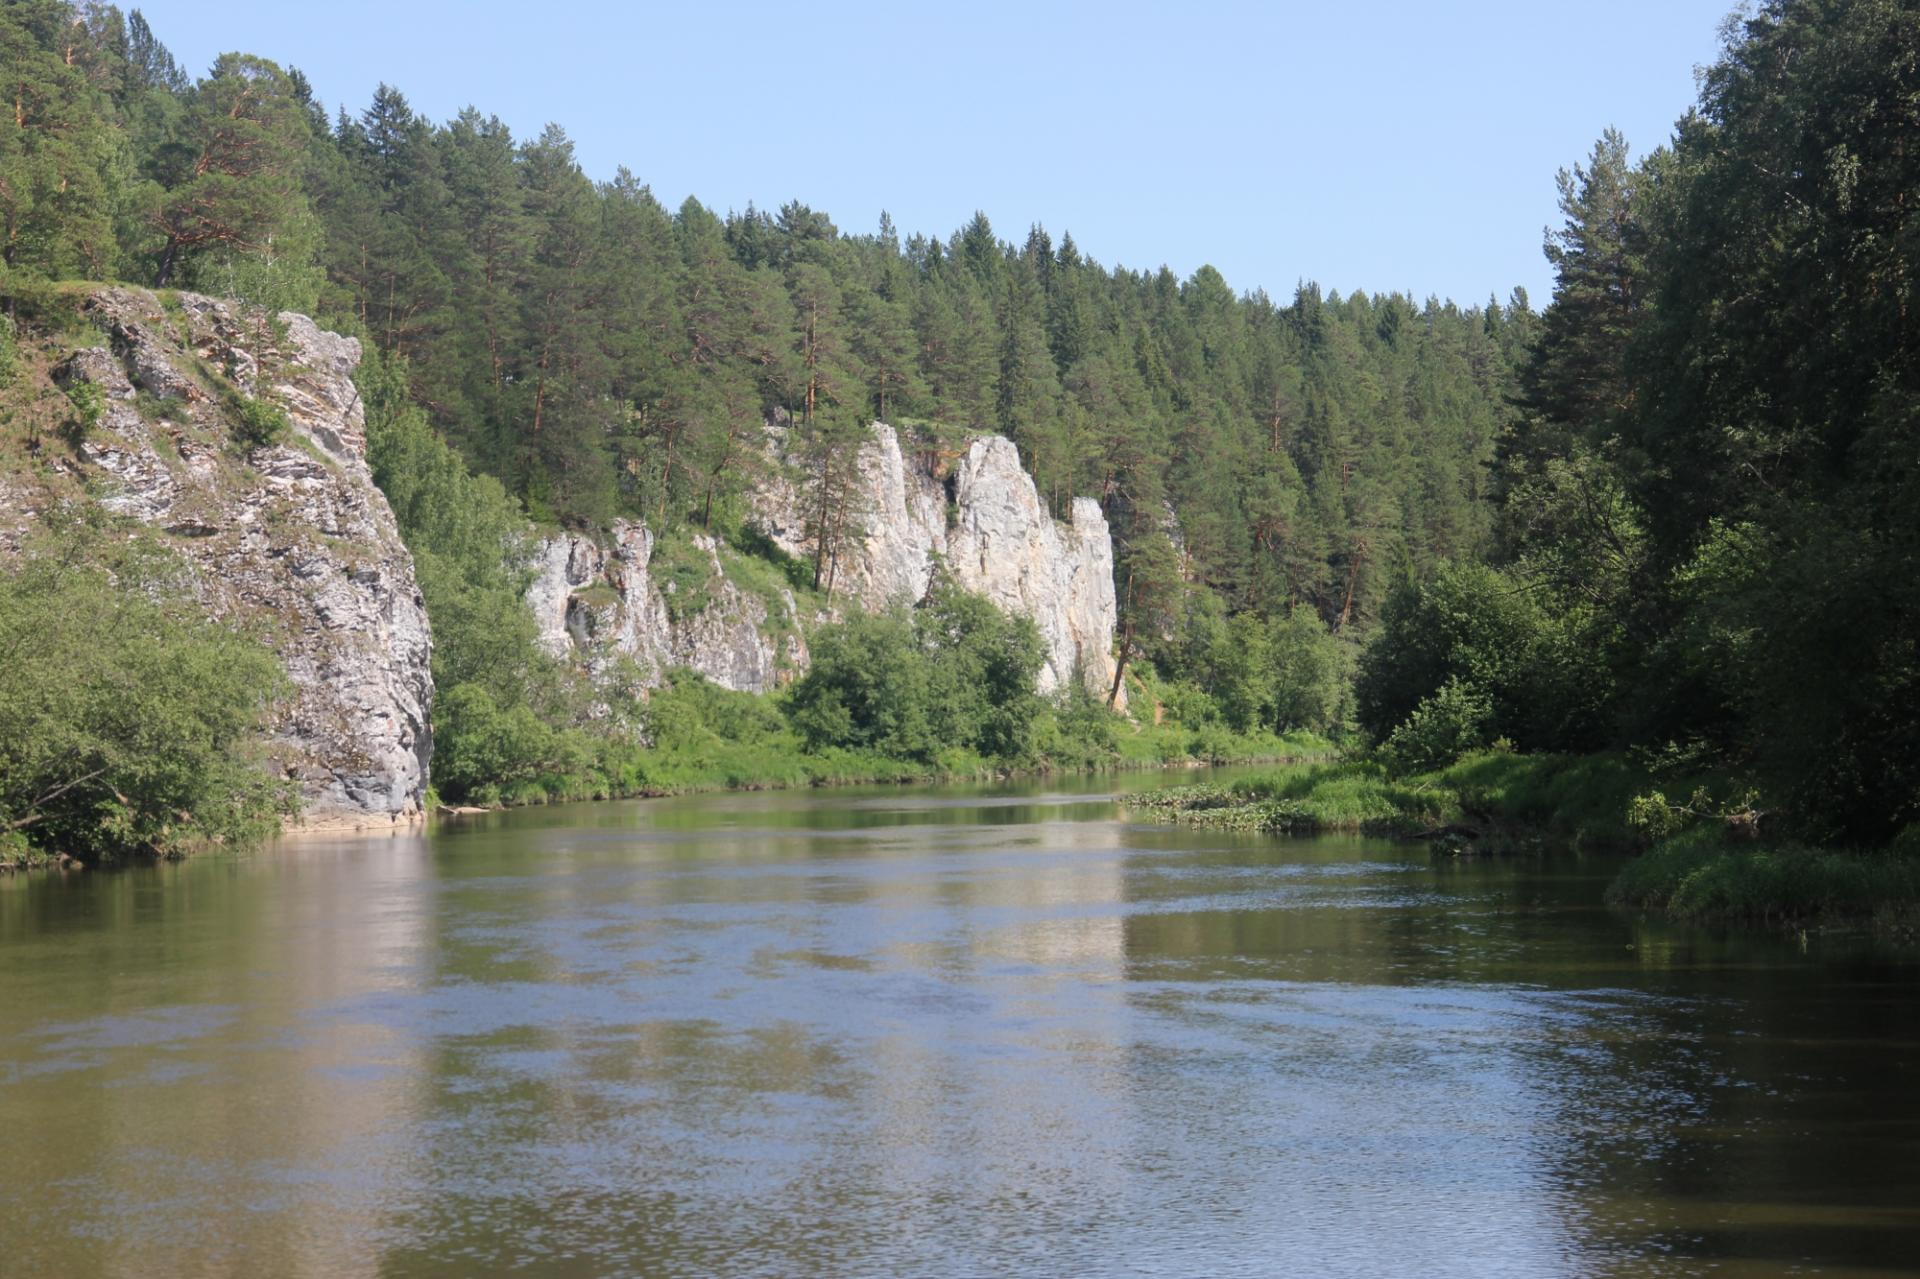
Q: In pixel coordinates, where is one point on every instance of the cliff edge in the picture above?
(240, 439)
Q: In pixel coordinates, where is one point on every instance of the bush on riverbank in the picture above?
(704, 737)
(1703, 875)
(1701, 861)
(125, 714)
(1585, 801)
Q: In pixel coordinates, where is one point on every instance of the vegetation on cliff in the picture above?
(596, 355)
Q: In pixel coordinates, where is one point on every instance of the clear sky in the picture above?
(1379, 145)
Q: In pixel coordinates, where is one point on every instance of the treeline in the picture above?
(1709, 504)
(602, 355)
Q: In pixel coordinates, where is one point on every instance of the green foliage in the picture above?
(89, 406)
(1310, 672)
(867, 688)
(956, 674)
(1580, 801)
(1703, 875)
(230, 181)
(1486, 632)
(125, 715)
(981, 666)
(1446, 724)
(482, 750)
(1305, 799)
(1078, 731)
(1713, 474)
(258, 422)
(470, 549)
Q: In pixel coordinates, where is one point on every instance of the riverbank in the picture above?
(1487, 802)
(781, 763)
(1699, 859)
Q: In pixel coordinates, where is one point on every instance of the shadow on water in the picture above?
(985, 1029)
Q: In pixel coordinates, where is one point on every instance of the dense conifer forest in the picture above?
(1672, 517)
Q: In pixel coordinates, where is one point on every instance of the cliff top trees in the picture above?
(60, 159)
(232, 180)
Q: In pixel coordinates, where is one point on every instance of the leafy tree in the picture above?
(62, 165)
(126, 716)
(1310, 673)
(866, 689)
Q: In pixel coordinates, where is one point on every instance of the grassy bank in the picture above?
(1486, 800)
(1703, 876)
(753, 750)
(1696, 864)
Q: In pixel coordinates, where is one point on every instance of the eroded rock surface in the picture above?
(985, 520)
(290, 542)
(598, 605)
(601, 600)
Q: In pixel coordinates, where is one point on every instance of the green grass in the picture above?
(1579, 801)
(1308, 798)
(1703, 876)
(684, 573)
(1703, 873)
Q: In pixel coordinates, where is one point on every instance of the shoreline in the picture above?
(1710, 872)
(429, 815)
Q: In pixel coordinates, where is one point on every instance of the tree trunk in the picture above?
(1120, 667)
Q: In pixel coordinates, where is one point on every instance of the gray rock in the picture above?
(292, 542)
(996, 536)
(597, 603)
(598, 607)
(143, 339)
(1007, 546)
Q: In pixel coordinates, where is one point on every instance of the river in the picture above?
(947, 1032)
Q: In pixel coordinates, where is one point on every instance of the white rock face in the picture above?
(1003, 543)
(291, 542)
(597, 605)
(599, 608)
(1008, 547)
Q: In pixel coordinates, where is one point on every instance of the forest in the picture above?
(1671, 519)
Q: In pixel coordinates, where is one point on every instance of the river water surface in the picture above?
(955, 1032)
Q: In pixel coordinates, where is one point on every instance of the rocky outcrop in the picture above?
(598, 606)
(899, 506)
(981, 516)
(603, 604)
(289, 540)
(1007, 546)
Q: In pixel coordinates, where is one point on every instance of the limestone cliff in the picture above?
(290, 541)
(599, 606)
(602, 600)
(983, 518)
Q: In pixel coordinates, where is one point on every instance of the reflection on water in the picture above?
(951, 1032)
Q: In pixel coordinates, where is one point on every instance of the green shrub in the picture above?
(955, 674)
(126, 716)
(1701, 874)
(1310, 673)
(259, 422)
(481, 746)
(1442, 728)
(89, 407)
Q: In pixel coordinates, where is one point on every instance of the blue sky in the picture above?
(1384, 146)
